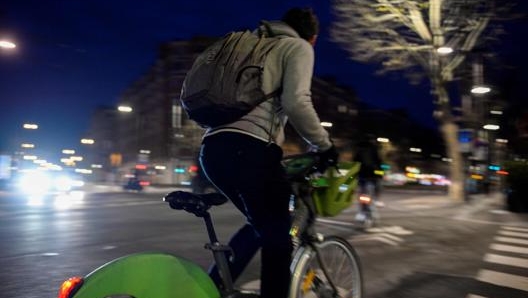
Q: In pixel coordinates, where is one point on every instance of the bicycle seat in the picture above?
(197, 204)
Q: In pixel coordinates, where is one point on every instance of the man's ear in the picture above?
(312, 40)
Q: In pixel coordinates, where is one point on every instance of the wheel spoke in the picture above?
(342, 266)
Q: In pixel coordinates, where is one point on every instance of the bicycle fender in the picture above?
(148, 275)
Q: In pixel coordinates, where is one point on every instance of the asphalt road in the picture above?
(424, 246)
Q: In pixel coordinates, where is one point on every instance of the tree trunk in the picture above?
(449, 130)
(450, 133)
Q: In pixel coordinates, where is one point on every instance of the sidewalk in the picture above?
(474, 201)
(478, 207)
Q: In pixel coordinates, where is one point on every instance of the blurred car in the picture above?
(41, 182)
(134, 184)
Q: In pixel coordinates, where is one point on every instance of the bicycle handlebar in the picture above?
(298, 166)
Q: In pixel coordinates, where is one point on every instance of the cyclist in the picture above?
(367, 154)
(243, 159)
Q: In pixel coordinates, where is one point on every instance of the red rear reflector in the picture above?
(144, 183)
(141, 167)
(364, 199)
(70, 286)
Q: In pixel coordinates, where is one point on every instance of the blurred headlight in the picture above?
(35, 183)
(63, 183)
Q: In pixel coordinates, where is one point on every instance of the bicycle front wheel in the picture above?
(339, 260)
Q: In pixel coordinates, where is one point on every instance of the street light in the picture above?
(491, 126)
(27, 145)
(480, 89)
(478, 81)
(444, 50)
(30, 126)
(88, 141)
(125, 109)
(6, 44)
(68, 151)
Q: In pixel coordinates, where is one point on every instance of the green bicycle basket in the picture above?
(333, 192)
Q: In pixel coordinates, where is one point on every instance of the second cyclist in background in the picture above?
(367, 153)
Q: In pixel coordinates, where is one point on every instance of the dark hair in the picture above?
(303, 20)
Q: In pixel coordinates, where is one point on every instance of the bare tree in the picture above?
(414, 37)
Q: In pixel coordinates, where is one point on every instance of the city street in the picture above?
(423, 247)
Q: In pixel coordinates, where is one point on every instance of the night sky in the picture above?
(74, 55)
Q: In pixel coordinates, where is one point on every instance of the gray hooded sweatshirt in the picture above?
(288, 65)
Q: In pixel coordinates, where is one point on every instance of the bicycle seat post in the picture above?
(219, 253)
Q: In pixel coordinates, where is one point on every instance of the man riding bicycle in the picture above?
(243, 159)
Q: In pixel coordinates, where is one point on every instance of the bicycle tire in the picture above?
(342, 265)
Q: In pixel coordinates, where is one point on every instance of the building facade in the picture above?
(156, 138)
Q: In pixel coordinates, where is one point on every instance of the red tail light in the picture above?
(70, 286)
(364, 199)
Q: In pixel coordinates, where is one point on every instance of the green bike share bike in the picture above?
(322, 266)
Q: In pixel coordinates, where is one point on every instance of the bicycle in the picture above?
(367, 215)
(323, 267)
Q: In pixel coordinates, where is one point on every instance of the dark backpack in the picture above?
(225, 81)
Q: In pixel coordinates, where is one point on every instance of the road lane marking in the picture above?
(49, 254)
(513, 234)
(129, 204)
(511, 240)
(516, 229)
(509, 248)
(335, 222)
(503, 279)
(374, 238)
(392, 229)
(503, 260)
(381, 237)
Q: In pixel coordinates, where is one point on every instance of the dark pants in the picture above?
(248, 171)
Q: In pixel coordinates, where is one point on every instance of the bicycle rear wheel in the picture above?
(341, 263)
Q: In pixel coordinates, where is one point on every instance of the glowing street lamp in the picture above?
(480, 89)
(88, 141)
(125, 109)
(444, 50)
(30, 126)
(27, 145)
(478, 82)
(6, 44)
(491, 126)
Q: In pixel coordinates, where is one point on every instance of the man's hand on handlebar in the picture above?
(327, 159)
